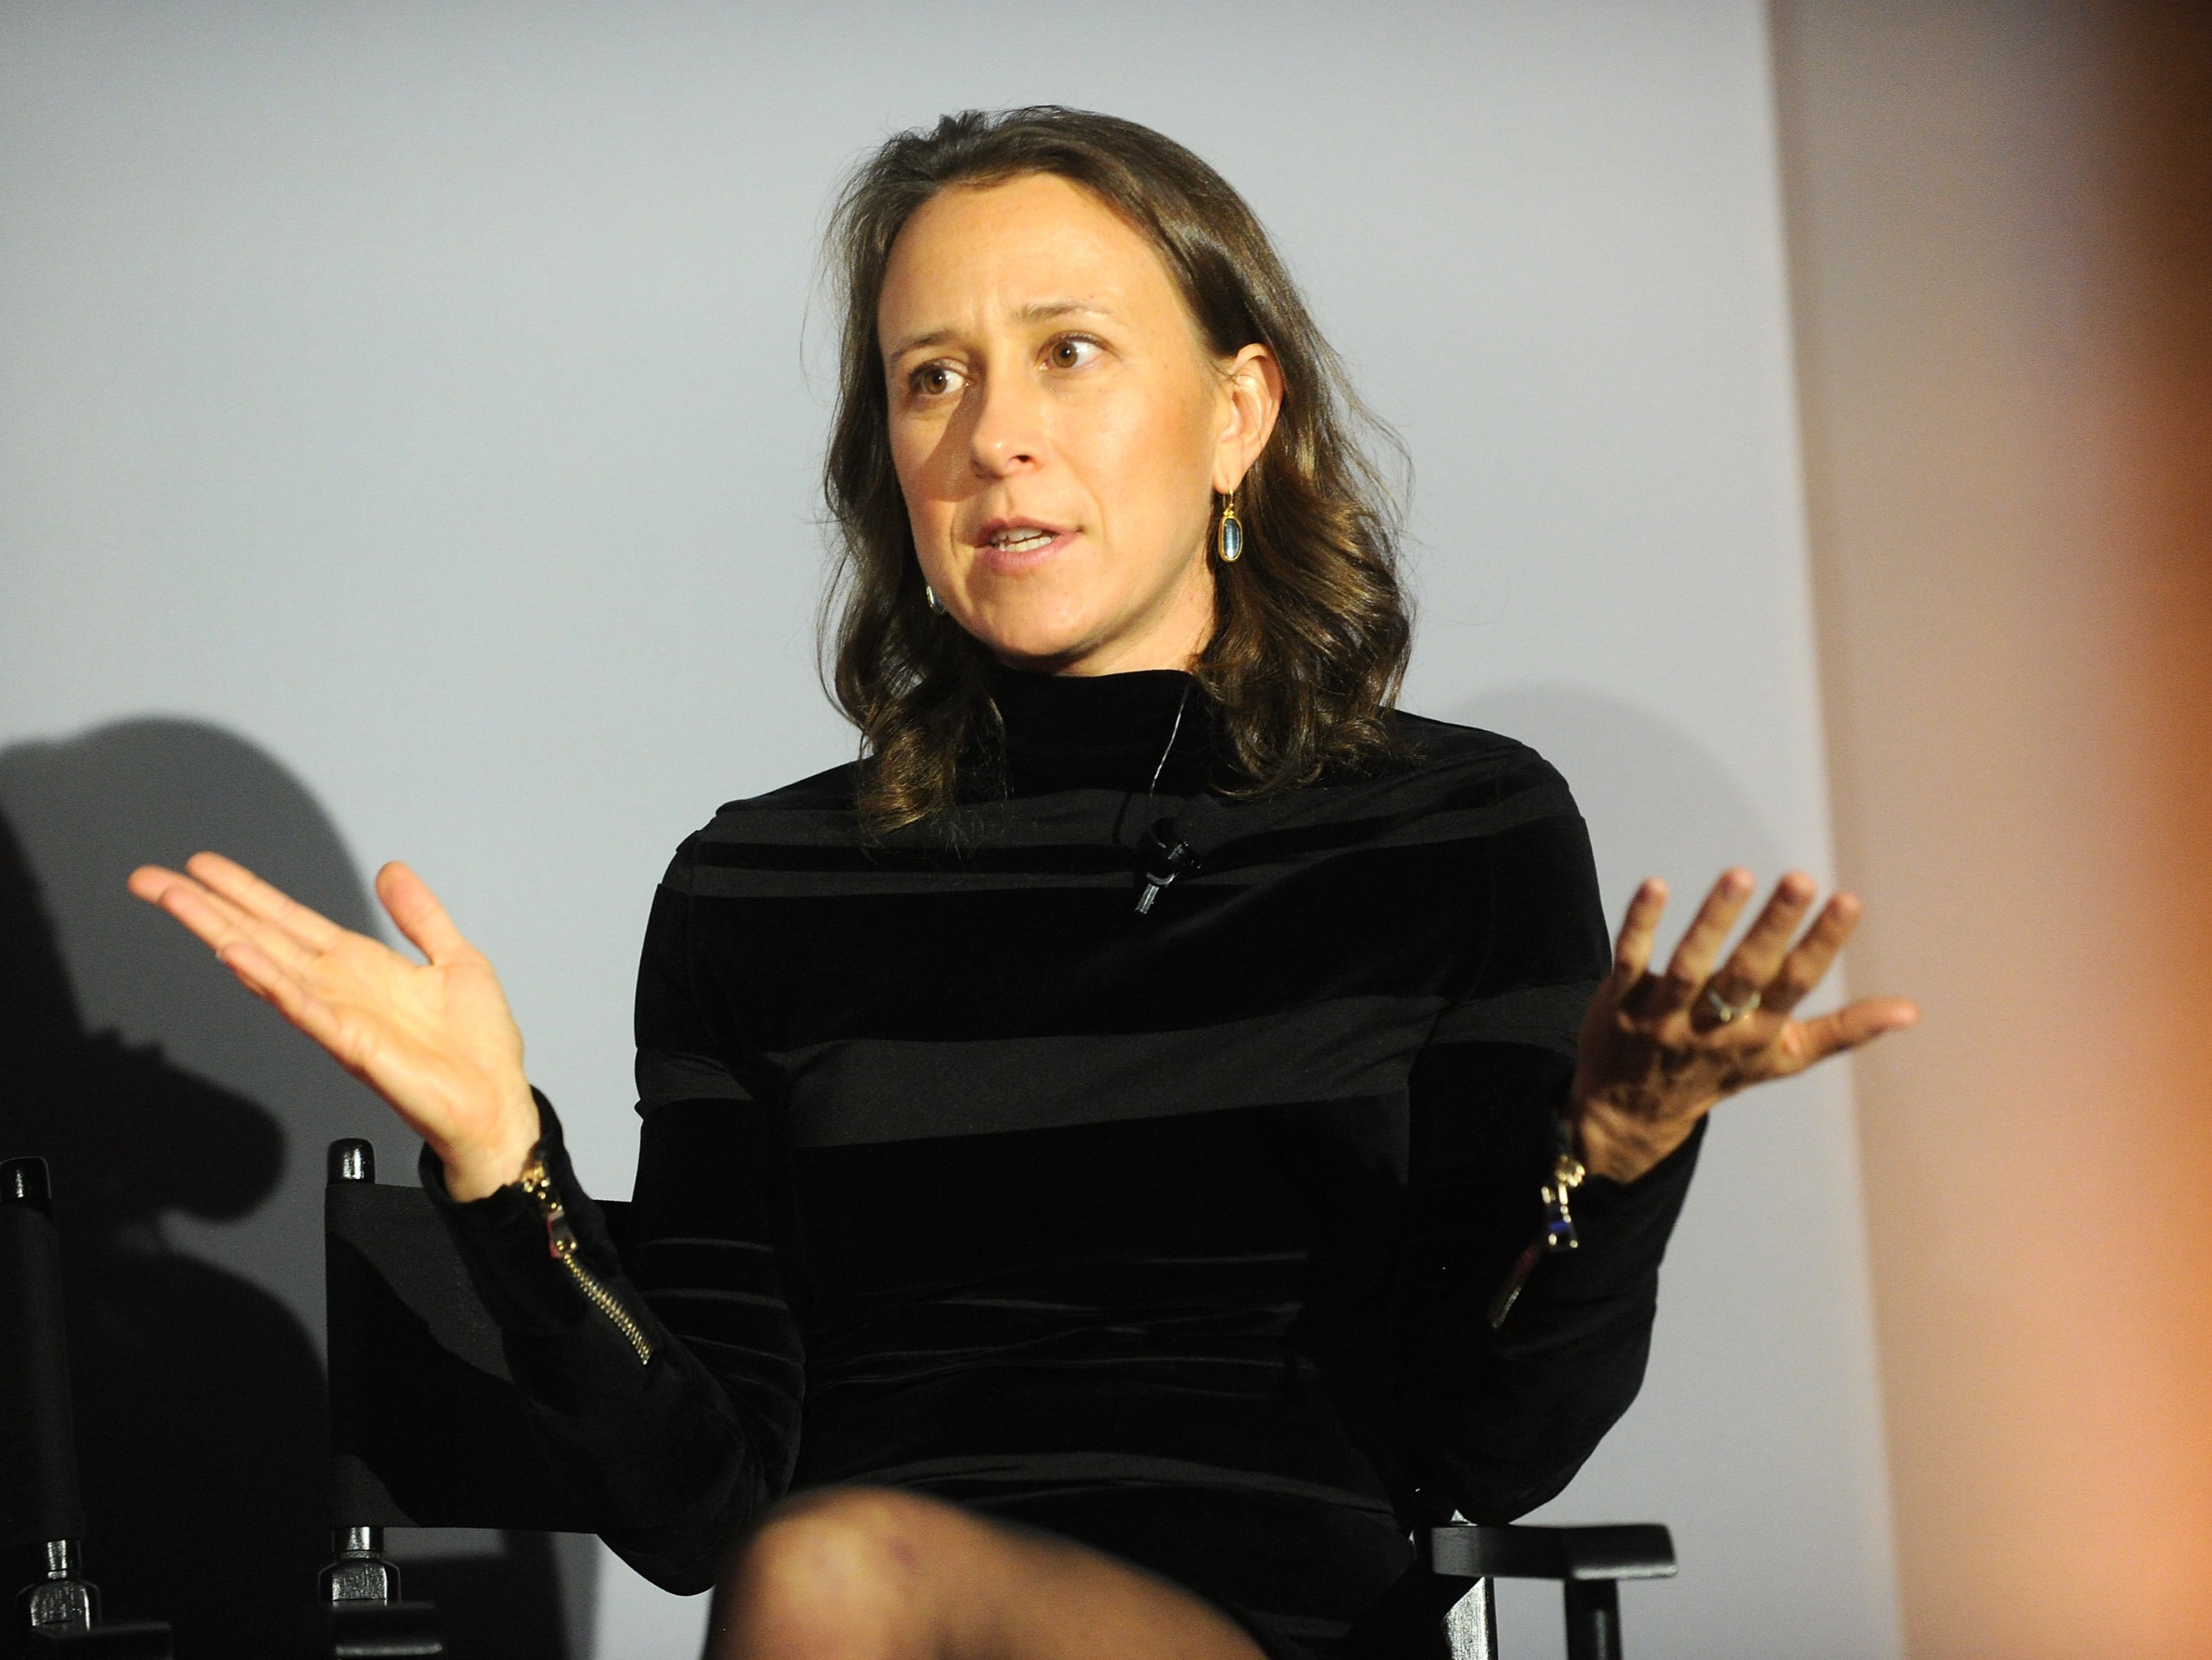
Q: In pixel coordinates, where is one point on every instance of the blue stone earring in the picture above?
(1229, 540)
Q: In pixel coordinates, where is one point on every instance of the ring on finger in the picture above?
(1724, 1011)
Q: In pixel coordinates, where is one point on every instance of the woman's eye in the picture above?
(932, 380)
(1071, 352)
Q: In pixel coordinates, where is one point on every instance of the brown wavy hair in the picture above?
(1310, 629)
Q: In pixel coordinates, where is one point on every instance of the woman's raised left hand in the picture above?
(1660, 1049)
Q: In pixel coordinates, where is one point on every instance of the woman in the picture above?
(1111, 1156)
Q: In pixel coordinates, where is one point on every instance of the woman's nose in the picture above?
(1008, 435)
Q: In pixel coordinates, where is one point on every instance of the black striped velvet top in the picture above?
(1171, 1232)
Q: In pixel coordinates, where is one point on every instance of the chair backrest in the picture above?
(41, 1509)
(427, 1427)
(38, 1497)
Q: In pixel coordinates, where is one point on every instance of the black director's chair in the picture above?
(42, 1520)
(426, 1430)
(1589, 1563)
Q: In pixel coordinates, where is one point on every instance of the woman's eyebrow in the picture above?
(1042, 311)
(1045, 310)
(936, 336)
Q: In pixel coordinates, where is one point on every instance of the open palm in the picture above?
(433, 1038)
(1660, 1049)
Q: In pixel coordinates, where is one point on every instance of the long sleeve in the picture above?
(678, 1452)
(1500, 1419)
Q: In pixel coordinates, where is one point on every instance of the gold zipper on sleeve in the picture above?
(561, 1243)
(1557, 1236)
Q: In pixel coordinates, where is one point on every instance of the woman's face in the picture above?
(1059, 428)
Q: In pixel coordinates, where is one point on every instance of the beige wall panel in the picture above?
(2004, 310)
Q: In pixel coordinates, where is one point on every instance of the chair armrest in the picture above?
(1634, 1550)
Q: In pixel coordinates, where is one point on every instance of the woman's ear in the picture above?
(1252, 385)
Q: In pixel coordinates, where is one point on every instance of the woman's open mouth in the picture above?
(1013, 545)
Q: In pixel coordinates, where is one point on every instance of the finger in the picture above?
(1813, 1041)
(218, 924)
(416, 912)
(185, 901)
(1759, 953)
(1693, 957)
(1632, 950)
(149, 882)
(262, 900)
(1808, 964)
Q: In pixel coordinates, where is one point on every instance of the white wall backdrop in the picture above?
(420, 404)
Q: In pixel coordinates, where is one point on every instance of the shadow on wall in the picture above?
(186, 1125)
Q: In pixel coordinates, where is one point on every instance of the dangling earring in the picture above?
(930, 594)
(1229, 540)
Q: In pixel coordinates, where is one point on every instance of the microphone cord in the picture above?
(1167, 854)
(1152, 788)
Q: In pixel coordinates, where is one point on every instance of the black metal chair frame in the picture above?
(1589, 1562)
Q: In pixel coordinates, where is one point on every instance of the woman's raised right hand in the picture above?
(433, 1039)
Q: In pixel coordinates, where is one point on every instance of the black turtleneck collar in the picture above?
(1102, 731)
